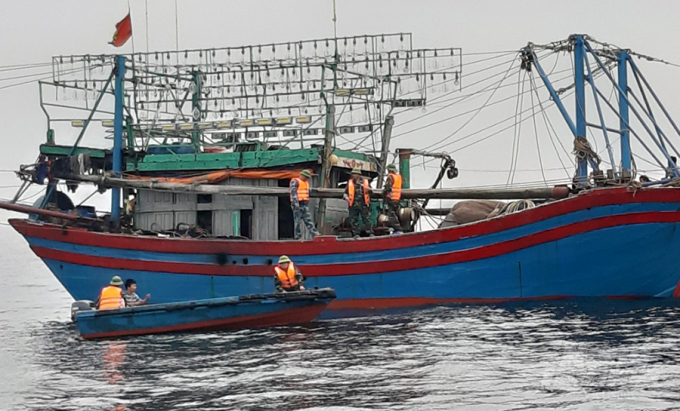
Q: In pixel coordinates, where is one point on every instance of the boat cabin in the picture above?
(219, 215)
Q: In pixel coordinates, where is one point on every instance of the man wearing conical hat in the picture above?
(299, 202)
(111, 296)
(287, 277)
(358, 197)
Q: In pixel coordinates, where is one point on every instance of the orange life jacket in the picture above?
(396, 187)
(302, 190)
(351, 190)
(288, 278)
(111, 298)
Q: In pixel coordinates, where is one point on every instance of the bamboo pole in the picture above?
(440, 193)
(40, 211)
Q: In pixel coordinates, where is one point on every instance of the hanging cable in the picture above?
(518, 128)
(533, 116)
(546, 121)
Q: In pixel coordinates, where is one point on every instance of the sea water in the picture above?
(578, 354)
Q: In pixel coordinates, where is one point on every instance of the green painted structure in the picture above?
(277, 158)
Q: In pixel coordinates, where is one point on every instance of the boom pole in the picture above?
(557, 192)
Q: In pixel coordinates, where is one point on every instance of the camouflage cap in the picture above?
(306, 173)
(284, 259)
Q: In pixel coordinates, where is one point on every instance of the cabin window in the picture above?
(204, 198)
(204, 220)
(285, 214)
(246, 223)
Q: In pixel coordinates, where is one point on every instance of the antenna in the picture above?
(335, 21)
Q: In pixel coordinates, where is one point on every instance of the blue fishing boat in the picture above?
(249, 311)
(200, 195)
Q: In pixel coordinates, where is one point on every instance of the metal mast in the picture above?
(118, 138)
(579, 82)
(623, 111)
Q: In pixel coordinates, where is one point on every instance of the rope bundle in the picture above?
(584, 151)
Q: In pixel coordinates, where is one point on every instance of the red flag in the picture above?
(123, 31)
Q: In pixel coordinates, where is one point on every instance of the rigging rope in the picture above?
(533, 116)
(518, 127)
(546, 121)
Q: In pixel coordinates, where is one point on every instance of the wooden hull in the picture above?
(604, 243)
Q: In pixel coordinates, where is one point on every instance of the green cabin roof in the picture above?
(277, 158)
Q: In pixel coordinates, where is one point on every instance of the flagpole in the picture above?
(133, 37)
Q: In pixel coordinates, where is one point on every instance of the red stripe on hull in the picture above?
(331, 245)
(302, 315)
(372, 267)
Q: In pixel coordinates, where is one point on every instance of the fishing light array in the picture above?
(257, 85)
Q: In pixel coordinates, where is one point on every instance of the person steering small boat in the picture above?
(111, 296)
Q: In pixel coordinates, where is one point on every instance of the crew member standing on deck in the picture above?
(287, 277)
(358, 197)
(392, 195)
(299, 202)
(111, 297)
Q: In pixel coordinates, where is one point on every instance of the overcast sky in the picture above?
(34, 31)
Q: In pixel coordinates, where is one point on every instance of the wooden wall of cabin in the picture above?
(253, 217)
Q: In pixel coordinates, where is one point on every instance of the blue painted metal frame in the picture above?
(71, 152)
(656, 98)
(623, 110)
(579, 82)
(591, 80)
(663, 150)
(551, 90)
(117, 138)
(662, 136)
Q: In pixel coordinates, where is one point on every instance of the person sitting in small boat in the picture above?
(111, 296)
(130, 295)
(288, 277)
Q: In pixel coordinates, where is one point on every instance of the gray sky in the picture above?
(34, 31)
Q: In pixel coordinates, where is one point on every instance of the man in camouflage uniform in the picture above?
(356, 193)
(299, 202)
(392, 195)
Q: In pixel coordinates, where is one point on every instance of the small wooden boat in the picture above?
(248, 311)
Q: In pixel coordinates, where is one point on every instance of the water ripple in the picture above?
(574, 355)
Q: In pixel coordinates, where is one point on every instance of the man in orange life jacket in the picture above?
(358, 197)
(111, 297)
(392, 196)
(287, 277)
(299, 202)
